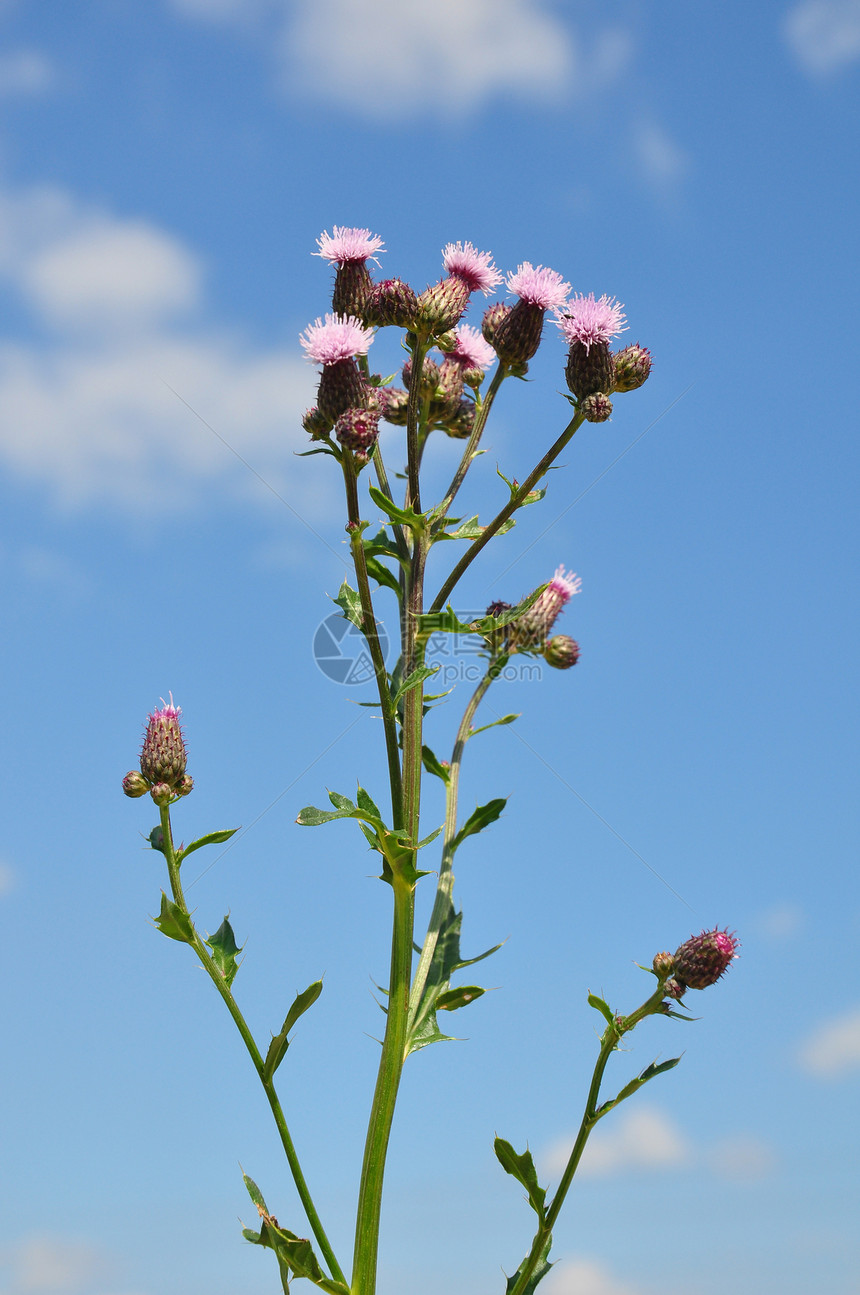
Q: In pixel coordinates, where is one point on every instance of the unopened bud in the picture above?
(391, 302)
(134, 784)
(663, 964)
(315, 424)
(590, 368)
(440, 307)
(632, 367)
(429, 377)
(494, 317)
(460, 425)
(358, 430)
(516, 338)
(561, 652)
(161, 793)
(597, 407)
(703, 959)
(163, 756)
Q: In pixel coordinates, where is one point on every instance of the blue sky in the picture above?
(165, 170)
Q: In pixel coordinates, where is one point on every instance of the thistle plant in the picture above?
(447, 365)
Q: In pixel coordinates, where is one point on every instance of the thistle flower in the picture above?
(517, 337)
(472, 353)
(346, 246)
(440, 307)
(587, 320)
(531, 629)
(340, 338)
(162, 758)
(703, 959)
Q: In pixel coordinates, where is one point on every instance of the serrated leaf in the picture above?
(379, 572)
(481, 818)
(211, 838)
(412, 680)
(381, 545)
(426, 1032)
(650, 1072)
(473, 530)
(255, 1194)
(404, 516)
(446, 622)
(452, 999)
(506, 719)
(280, 1042)
(349, 602)
(541, 1269)
(321, 449)
(533, 496)
(173, 922)
(312, 816)
(156, 838)
(366, 802)
(433, 765)
(522, 1167)
(600, 1006)
(298, 1255)
(340, 801)
(428, 839)
(224, 949)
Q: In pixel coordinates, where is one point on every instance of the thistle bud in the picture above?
(429, 377)
(391, 302)
(440, 307)
(315, 424)
(561, 652)
(597, 407)
(529, 631)
(590, 368)
(352, 288)
(393, 403)
(632, 367)
(663, 964)
(358, 430)
(460, 425)
(134, 784)
(516, 338)
(161, 793)
(341, 387)
(163, 756)
(703, 959)
(449, 390)
(494, 317)
(674, 989)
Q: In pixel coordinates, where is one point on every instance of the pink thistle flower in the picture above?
(163, 756)
(531, 629)
(587, 320)
(340, 338)
(538, 286)
(471, 351)
(344, 246)
(703, 959)
(476, 269)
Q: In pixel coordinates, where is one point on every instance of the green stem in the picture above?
(445, 884)
(472, 445)
(382, 478)
(254, 1052)
(609, 1042)
(368, 628)
(502, 516)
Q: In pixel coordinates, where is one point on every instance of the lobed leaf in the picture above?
(541, 1269)
(522, 1167)
(224, 949)
(349, 602)
(280, 1042)
(481, 818)
(404, 516)
(173, 922)
(600, 1006)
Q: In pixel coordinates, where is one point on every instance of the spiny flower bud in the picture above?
(358, 430)
(391, 302)
(393, 402)
(449, 390)
(517, 337)
(315, 424)
(134, 784)
(494, 317)
(597, 407)
(440, 307)
(341, 387)
(161, 793)
(429, 377)
(352, 288)
(530, 630)
(460, 426)
(674, 989)
(163, 756)
(185, 785)
(561, 652)
(632, 367)
(703, 959)
(663, 964)
(590, 368)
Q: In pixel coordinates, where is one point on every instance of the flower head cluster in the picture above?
(340, 338)
(589, 320)
(344, 246)
(163, 758)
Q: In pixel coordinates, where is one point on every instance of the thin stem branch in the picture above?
(389, 714)
(382, 478)
(241, 1024)
(472, 445)
(502, 516)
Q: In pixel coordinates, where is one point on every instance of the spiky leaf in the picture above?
(600, 1006)
(280, 1042)
(433, 765)
(173, 922)
(224, 950)
(540, 1271)
(522, 1167)
(349, 602)
(481, 818)
(211, 838)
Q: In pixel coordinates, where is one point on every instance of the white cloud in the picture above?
(584, 1277)
(24, 72)
(643, 1138)
(782, 921)
(112, 272)
(742, 1158)
(88, 410)
(386, 56)
(824, 35)
(833, 1049)
(661, 161)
